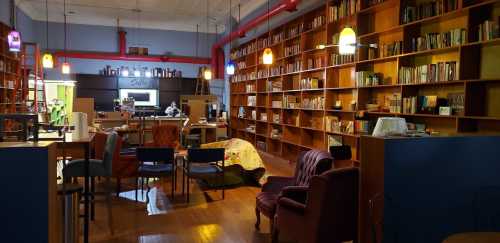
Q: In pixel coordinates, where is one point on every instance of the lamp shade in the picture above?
(267, 57)
(66, 68)
(230, 68)
(47, 61)
(207, 74)
(390, 126)
(347, 41)
(14, 41)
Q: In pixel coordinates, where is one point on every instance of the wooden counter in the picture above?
(425, 189)
(28, 179)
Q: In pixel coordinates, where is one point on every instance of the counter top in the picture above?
(162, 118)
(39, 144)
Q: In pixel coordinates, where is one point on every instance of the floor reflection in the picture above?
(158, 203)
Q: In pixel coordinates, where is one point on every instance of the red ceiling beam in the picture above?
(122, 56)
(217, 63)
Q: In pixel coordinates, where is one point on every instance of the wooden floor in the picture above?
(205, 219)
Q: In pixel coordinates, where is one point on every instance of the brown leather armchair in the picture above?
(312, 162)
(327, 212)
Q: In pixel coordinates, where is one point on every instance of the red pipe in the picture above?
(122, 55)
(217, 64)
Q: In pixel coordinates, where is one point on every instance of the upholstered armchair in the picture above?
(326, 212)
(165, 135)
(313, 162)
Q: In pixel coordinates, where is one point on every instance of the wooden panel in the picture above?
(85, 105)
(90, 81)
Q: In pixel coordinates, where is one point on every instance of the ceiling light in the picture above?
(66, 68)
(137, 73)
(125, 72)
(147, 73)
(347, 41)
(47, 61)
(207, 74)
(14, 40)
(320, 47)
(267, 57)
(230, 68)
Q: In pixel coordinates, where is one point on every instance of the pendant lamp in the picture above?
(230, 67)
(47, 59)
(207, 73)
(14, 37)
(65, 68)
(137, 73)
(267, 56)
(125, 72)
(347, 41)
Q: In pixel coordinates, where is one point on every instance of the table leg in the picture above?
(86, 195)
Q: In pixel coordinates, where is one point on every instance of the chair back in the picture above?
(99, 145)
(342, 152)
(206, 155)
(109, 152)
(155, 154)
(332, 206)
(166, 135)
(310, 163)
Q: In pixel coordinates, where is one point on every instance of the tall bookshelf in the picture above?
(10, 88)
(467, 79)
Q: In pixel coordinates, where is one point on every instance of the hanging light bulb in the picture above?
(207, 73)
(147, 73)
(137, 73)
(125, 72)
(66, 68)
(47, 61)
(230, 68)
(267, 57)
(347, 41)
(14, 40)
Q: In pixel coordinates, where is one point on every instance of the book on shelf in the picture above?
(254, 115)
(263, 117)
(488, 30)
(316, 103)
(252, 100)
(456, 101)
(278, 37)
(391, 49)
(295, 66)
(453, 37)
(334, 140)
(410, 105)
(274, 86)
(430, 73)
(342, 9)
(292, 50)
(362, 126)
(317, 22)
(336, 125)
(295, 30)
(367, 78)
(276, 104)
(392, 103)
(317, 62)
(291, 101)
(311, 83)
(413, 12)
(337, 59)
(250, 88)
(276, 118)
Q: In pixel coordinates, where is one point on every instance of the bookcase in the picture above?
(10, 90)
(435, 63)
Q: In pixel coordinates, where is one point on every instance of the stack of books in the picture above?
(317, 62)
(488, 30)
(290, 101)
(314, 103)
(293, 67)
(453, 37)
(337, 59)
(412, 13)
(366, 79)
(342, 9)
(317, 22)
(311, 83)
(442, 71)
(252, 100)
(391, 49)
(292, 50)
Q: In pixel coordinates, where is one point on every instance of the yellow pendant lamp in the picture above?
(48, 60)
(66, 68)
(347, 41)
(267, 56)
(207, 73)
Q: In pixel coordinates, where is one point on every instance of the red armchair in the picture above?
(327, 212)
(165, 135)
(313, 162)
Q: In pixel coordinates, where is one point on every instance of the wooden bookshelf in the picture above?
(284, 106)
(9, 75)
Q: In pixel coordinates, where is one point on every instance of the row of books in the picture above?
(275, 71)
(241, 65)
(453, 37)
(294, 66)
(290, 101)
(412, 13)
(342, 9)
(276, 104)
(317, 62)
(337, 59)
(442, 71)
(295, 30)
(250, 88)
(311, 83)
(393, 103)
(317, 22)
(363, 126)
(279, 37)
(274, 86)
(391, 49)
(252, 100)
(410, 105)
(335, 124)
(292, 50)
(263, 43)
(244, 77)
(488, 30)
(366, 78)
(249, 48)
(316, 103)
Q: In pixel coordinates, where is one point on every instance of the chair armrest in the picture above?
(277, 183)
(291, 205)
(296, 193)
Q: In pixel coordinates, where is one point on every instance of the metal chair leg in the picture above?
(92, 198)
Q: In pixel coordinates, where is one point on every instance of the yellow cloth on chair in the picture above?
(240, 152)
